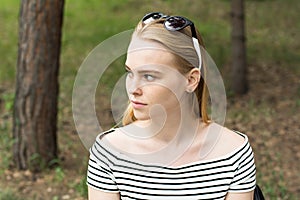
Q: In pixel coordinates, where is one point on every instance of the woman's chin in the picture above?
(141, 116)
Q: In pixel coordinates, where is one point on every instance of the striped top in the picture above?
(111, 171)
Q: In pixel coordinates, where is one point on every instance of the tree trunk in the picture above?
(36, 99)
(239, 83)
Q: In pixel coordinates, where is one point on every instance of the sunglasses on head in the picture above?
(175, 23)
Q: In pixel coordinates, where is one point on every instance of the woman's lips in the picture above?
(137, 104)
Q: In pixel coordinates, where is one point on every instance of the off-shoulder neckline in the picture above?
(119, 154)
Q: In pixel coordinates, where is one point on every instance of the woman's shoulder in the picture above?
(226, 141)
(235, 138)
(115, 138)
(105, 145)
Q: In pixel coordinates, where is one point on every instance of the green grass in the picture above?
(272, 182)
(271, 36)
(81, 187)
(272, 30)
(9, 195)
(8, 39)
(6, 141)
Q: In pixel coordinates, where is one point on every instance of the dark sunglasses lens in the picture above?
(156, 15)
(151, 17)
(175, 23)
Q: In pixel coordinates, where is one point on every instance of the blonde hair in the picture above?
(181, 45)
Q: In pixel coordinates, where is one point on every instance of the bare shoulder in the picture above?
(227, 141)
(231, 137)
(118, 139)
(113, 136)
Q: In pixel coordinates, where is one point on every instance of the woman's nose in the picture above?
(134, 87)
(137, 91)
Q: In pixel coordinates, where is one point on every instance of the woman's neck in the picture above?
(165, 125)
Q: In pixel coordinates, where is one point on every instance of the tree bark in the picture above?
(36, 99)
(239, 83)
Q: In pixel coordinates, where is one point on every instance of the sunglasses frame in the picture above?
(187, 23)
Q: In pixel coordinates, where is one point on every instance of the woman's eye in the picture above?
(129, 73)
(149, 77)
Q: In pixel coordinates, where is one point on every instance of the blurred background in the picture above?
(268, 113)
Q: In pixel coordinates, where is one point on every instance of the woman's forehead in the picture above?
(148, 52)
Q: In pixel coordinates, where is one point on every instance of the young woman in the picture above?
(168, 147)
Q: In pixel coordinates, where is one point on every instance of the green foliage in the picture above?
(271, 190)
(59, 174)
(6, 143)
(112, 74)
(8, 42)
(37, 163)
(8, 99)
(270, 37)
(9, 195)
(6, 140)
(81, 187)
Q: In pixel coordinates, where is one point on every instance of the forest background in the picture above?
(268, 113)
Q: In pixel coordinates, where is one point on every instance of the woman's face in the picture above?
(153, 83)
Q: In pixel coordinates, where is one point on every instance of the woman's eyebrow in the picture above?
(142, 71)
(127, 68)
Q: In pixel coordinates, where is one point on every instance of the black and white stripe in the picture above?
(111, 171)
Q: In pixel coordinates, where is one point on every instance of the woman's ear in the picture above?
(193, 78)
